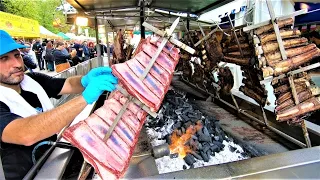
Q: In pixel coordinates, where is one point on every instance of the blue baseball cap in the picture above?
(7, 44)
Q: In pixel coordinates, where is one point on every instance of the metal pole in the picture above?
(97, 40)
(188, 33)
(142, 28)
(296, 100)
(108, 46)
(84, 171)
(235, 102)
(235, 35)
(276, 30)
(188, 21)
(305, 133)
(264, 116)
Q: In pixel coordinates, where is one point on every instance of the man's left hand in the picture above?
(94, 73)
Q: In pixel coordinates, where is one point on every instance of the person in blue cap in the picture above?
(27, 116)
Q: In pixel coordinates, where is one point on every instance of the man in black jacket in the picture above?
(103, 48)
(37, 48)
(59, 56)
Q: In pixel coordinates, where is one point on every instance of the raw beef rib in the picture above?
(111, 158)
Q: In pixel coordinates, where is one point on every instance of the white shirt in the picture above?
(33, 56)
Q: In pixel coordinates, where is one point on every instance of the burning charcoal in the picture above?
(168, 138)
(206, 122)
(183, 130)
(219, 144)
(187, 143)
(161, 123)
(187, 124)
(175, 155)
(204, 156)
(189, 159)
(184, 167)
(174, 116)
(178, 132)
(216, 138)
(194, 137)
(171, 112)
(210, 153)
(205, 147)
(185, 118)
(192, 115)
(215, 148)
(186, 105)
(176, 101)
(196, 144)
(178, 111)
(196, 155)
(232, 149)
(167, 112)
(193, 144)
(205, 131)
(217, 124)
(187, 110)
(220, 138)
(212, 119)
(171, 101)
(244, 154)
(202, 137)
(180, 100)
(177, 125)
(198, 114)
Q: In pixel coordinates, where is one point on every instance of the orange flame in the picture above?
(178, 142)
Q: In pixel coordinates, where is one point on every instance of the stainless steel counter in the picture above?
(303, 163)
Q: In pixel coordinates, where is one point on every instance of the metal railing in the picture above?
(80, 69)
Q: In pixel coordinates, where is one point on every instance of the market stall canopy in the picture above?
(126, 14)
(65, 37)
(191, 6)
(45, 33)
(18, 26)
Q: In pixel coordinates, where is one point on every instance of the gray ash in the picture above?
(175, 118)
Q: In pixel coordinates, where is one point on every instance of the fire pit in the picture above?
(194, 140)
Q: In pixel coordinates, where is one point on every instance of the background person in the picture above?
(37, 48)
(61, 59)
(92, 51)
(28, 50)
(49, 58)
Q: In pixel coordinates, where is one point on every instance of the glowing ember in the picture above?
(178, 143)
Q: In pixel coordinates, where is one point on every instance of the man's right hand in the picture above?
(97, 86)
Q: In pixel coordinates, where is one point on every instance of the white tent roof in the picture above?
(45, 33)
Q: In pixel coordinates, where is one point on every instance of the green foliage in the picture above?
(44, 11)
(92, 32)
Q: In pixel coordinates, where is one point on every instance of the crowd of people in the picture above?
(57, 55)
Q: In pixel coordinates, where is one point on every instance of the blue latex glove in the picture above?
(97, 85)
(94, 73)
